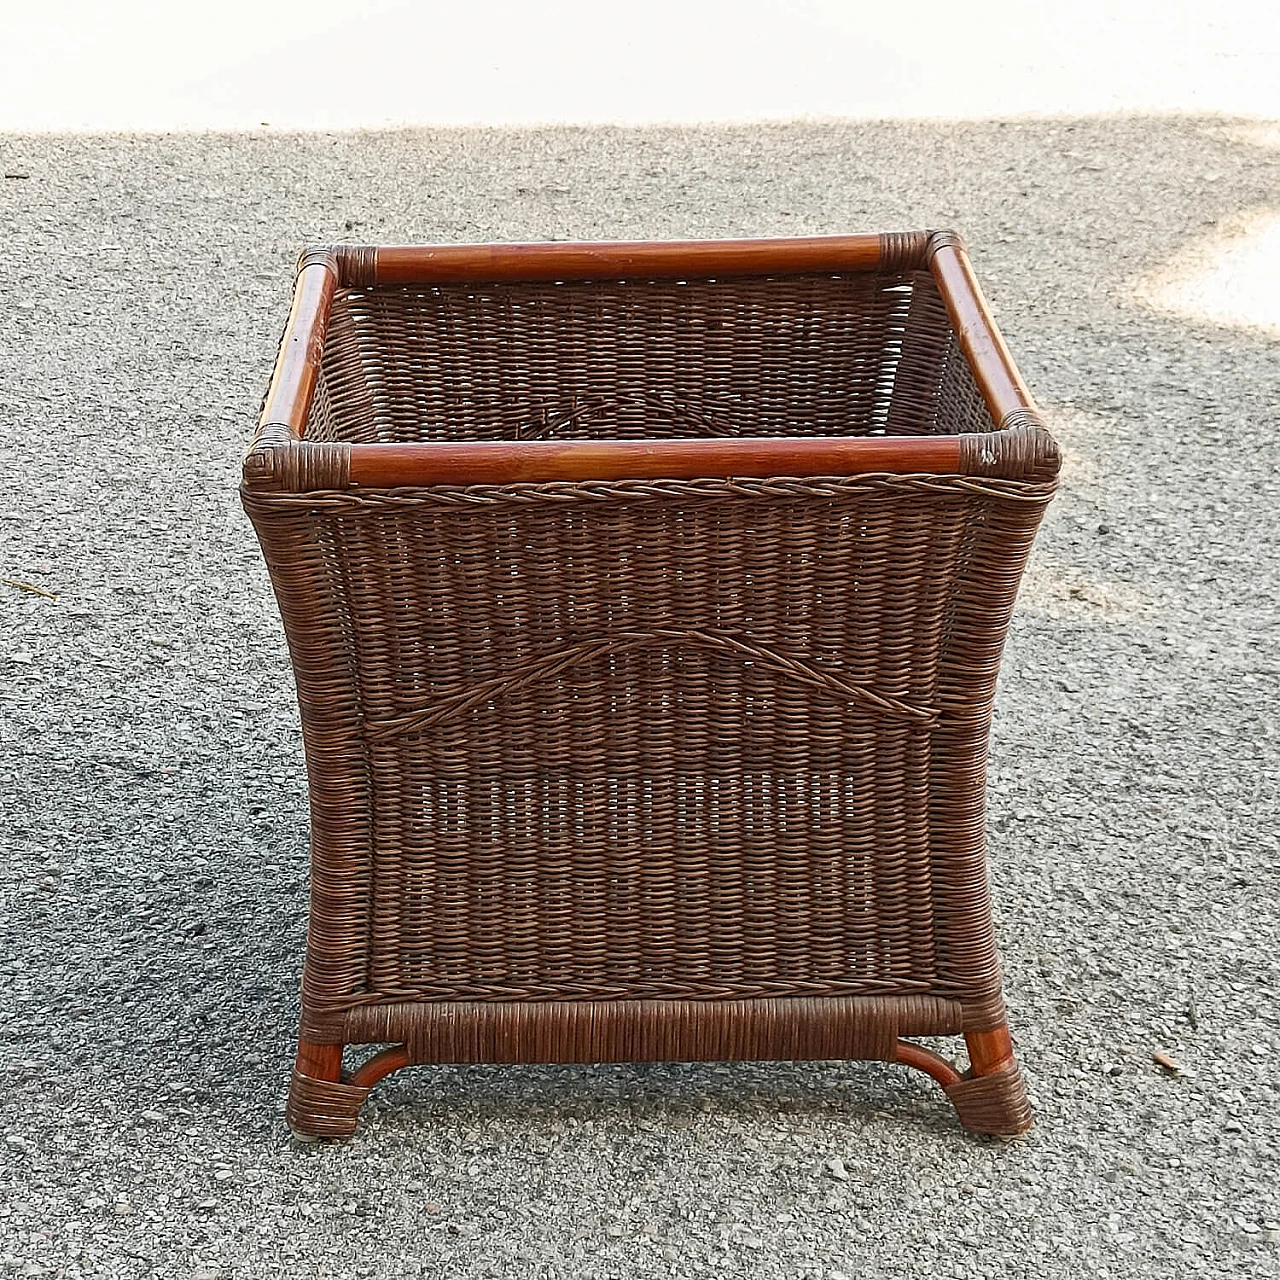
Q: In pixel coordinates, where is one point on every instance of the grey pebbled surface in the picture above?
(153, 834)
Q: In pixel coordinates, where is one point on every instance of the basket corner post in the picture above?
(1021, 448)
(321, 1104)
(991, 1098)
(943, 238)
(351, 265)
(279, 462)
(262, 467)
(323, 1101)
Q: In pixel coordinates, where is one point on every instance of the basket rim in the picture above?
(280, 458)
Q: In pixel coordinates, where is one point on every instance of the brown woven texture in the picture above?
(995, 1103)
(323, 1108)
(649, 768)
(860, 354)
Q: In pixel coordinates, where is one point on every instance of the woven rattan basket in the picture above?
(645, 603)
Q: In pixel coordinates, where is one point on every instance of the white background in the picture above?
(148, 65)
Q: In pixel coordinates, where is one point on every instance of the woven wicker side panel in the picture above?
(794, 355)
(646, 739)
(929, 349)
(958, 404)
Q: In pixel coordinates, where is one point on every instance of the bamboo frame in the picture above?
(282, 424)
(989, 1052)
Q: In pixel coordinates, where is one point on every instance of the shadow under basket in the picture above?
(645, 603)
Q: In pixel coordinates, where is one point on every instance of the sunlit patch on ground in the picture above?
(1260, 133)
(1230, 277)
(1055, 590)
(1082, 438)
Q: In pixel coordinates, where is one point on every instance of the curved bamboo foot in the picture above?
(324, 1105)
(990, 1097)
(932, 1064)
(381, 1065)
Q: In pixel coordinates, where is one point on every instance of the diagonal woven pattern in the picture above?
(585, 653)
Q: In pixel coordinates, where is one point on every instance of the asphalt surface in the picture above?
(153, 834)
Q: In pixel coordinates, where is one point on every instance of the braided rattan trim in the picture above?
(545, 666)
(903, 250)
(354, 266)
(1025, 419)
(330, 1020)
(262, 462)
(357, 265)
(780, 488)
(656, 1030)
(995, 1103)
(318, 255)
(323, 1108)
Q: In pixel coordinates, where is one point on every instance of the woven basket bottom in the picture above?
(869, 1028)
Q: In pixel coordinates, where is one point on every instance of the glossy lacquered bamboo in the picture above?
(301, 349)
(321, 1061)
(615, 260)
(932, 1064)
(380, 466)
(981, 341)
(989, 1051)
(381, 1065)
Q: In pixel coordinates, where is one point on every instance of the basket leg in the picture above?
(991, 1097)
(321, 1104)
(324, 1105)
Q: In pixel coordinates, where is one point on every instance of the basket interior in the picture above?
(801, 355)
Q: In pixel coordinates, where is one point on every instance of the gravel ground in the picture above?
(154, 834)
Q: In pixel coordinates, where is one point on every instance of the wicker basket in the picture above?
(645, 603)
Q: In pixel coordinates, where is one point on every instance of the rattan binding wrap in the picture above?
(613, 769)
